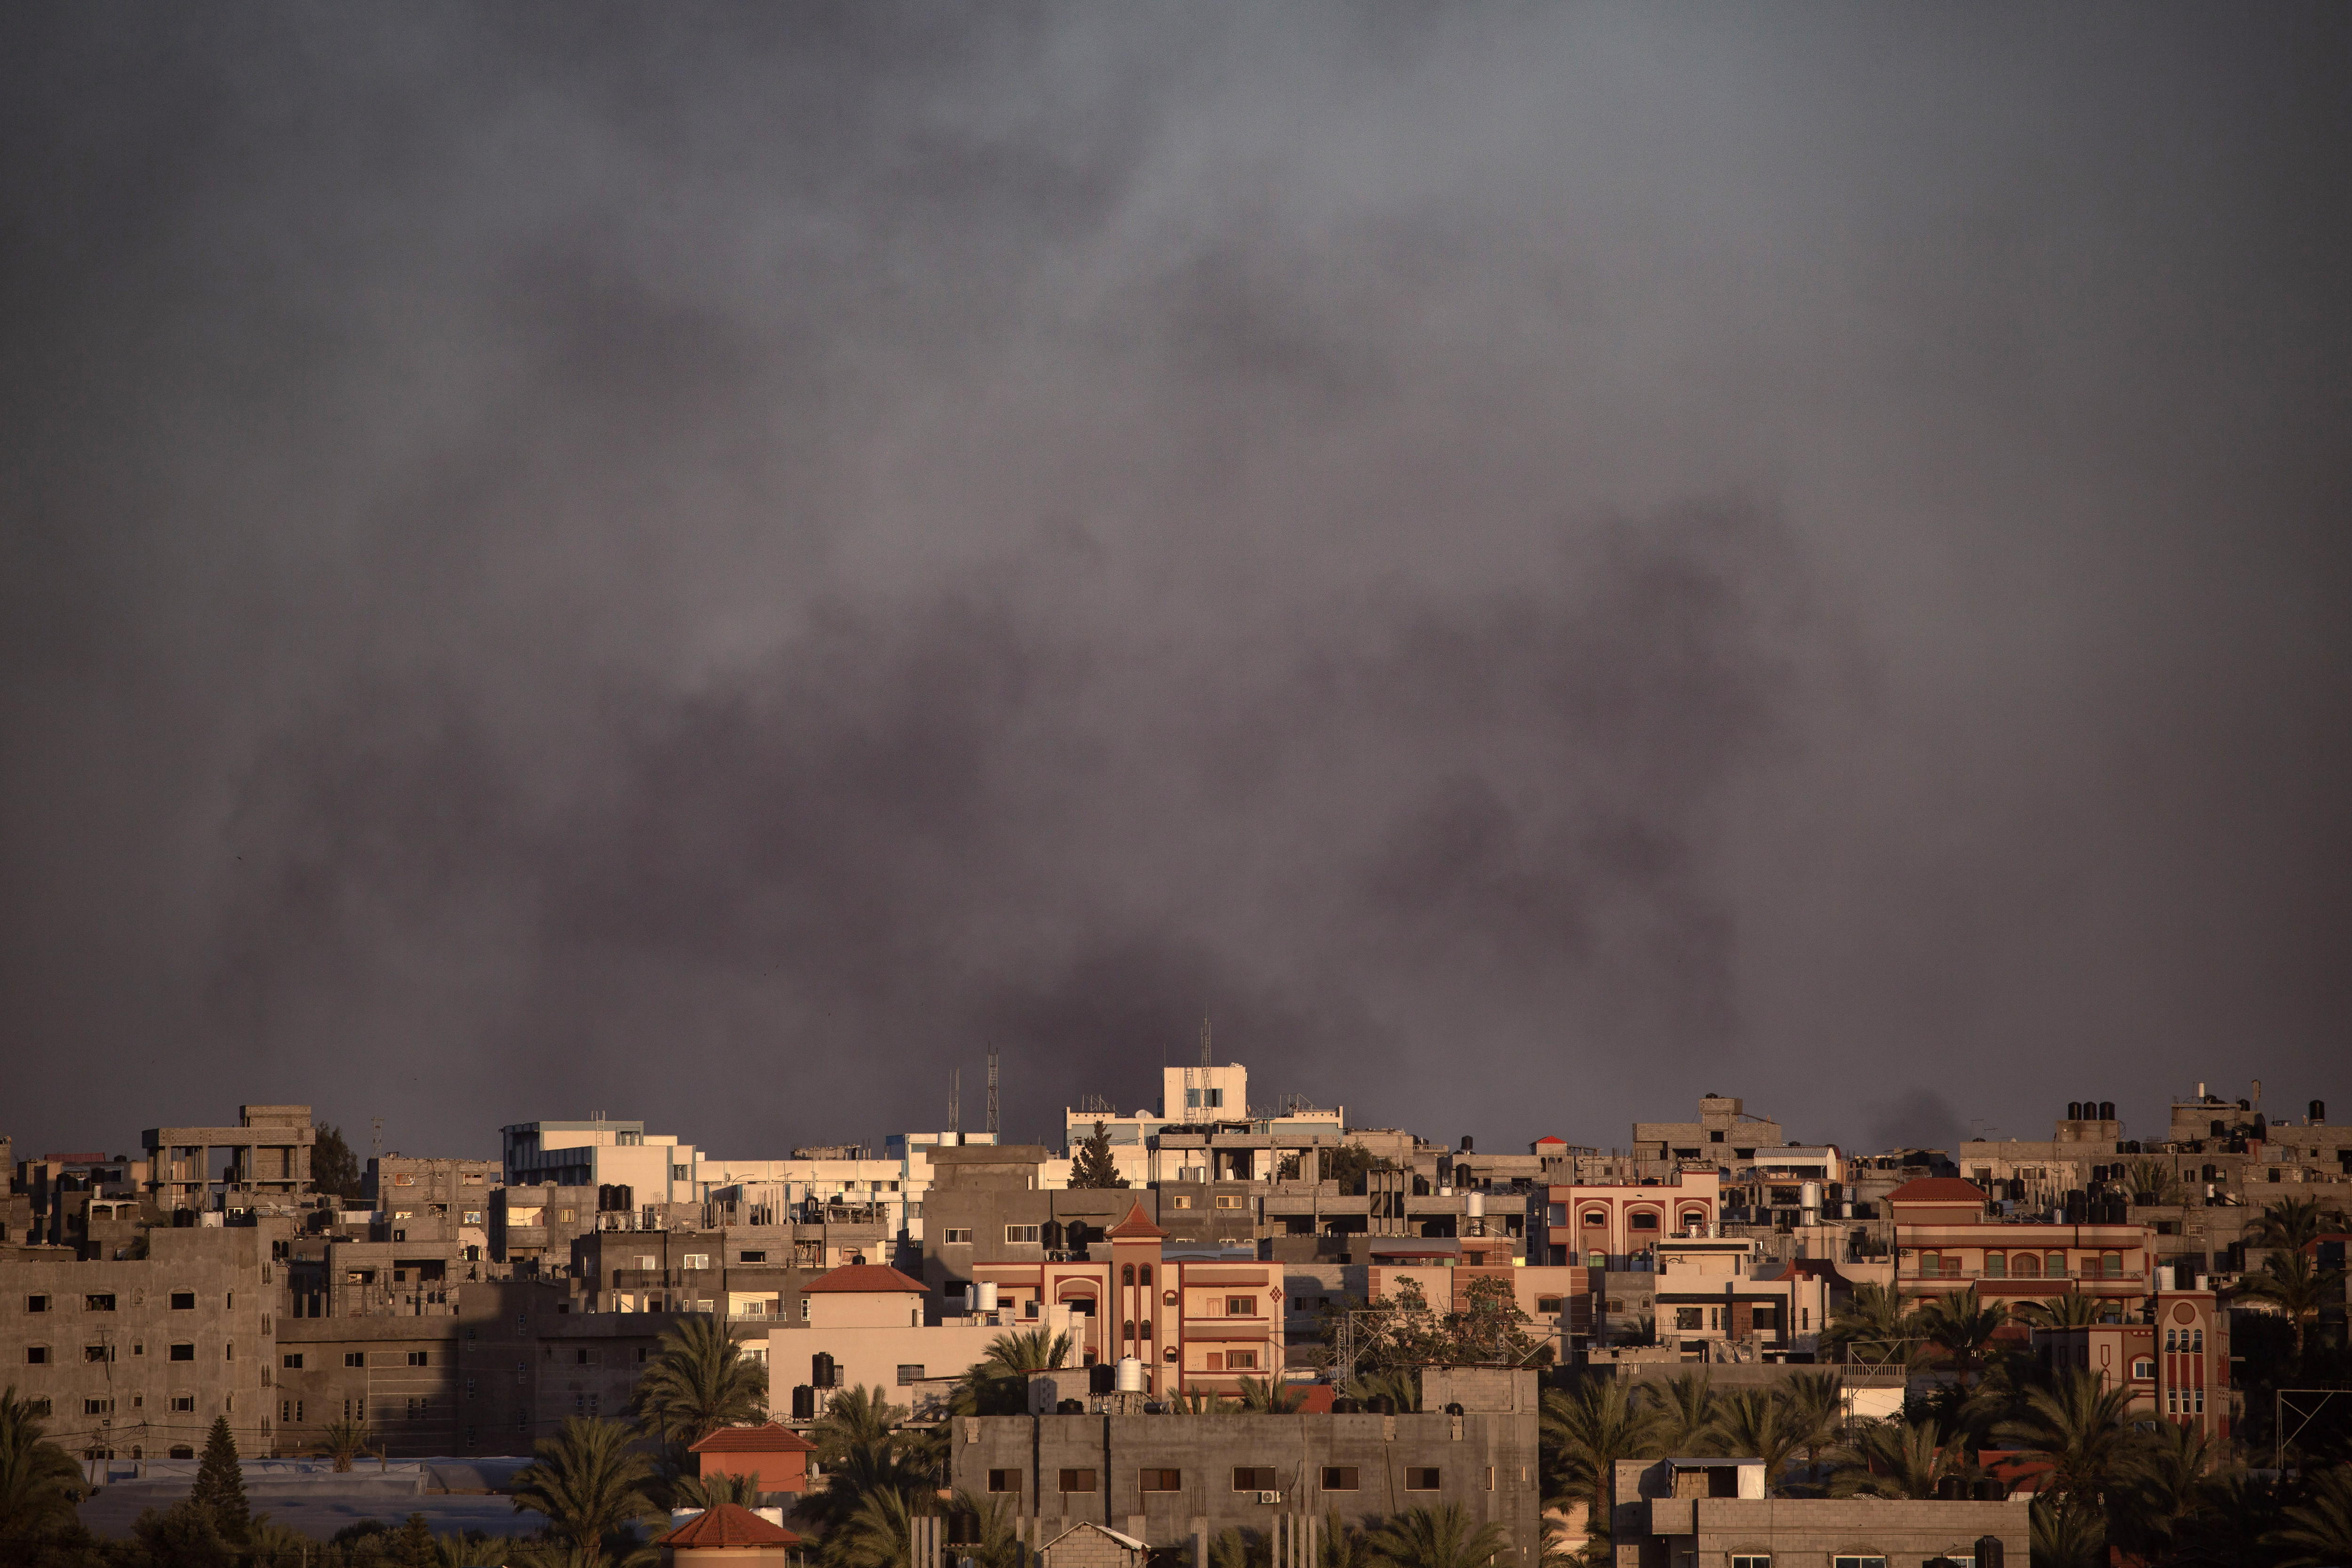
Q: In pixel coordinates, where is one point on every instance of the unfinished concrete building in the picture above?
(270, 1160)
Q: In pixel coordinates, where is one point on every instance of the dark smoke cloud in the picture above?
(715, 564)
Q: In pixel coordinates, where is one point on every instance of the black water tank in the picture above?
(1071, 1407)
(823, 1373)
(2218, 1130)
(1102, 1377)
(804, 1403)
(2262, 1126)
(1948, 1488)
(2106, 1110)
(1989, 1552)
(1345, 1406)
(1468, 1144)
(1990, 1490)
(2318, 1111)
(2073, 1111)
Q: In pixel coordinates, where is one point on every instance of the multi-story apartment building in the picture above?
(1193, 1323)
(135, 1357)
(1619, 1224)
(2175, 1362)
(434, 1200)
(1205, 1099)
(1715, 1512)
(751, 1275)
(1948, 1236)
(270, 1160)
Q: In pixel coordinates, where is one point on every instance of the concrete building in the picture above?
(1167, 1481)
(434, 1200)
(629, 1166)
(871, 1328)
(1714, 1513)
(1946, 1238)
(1198, 1323)
(2175, 1362)
(1202, 1099)
(269, 1159)
(1618, 1224)
(774, 1458)
(1723, 1125)
(134, 1358)
(751, 1275)
(1715, 1299)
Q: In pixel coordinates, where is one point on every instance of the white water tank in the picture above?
(1474, 1204)
(985, 1296)
(1809, 1200)
(1130, 1376)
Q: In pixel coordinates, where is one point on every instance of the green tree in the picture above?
(1875, 1327)
(412, 1545)
(343, 1443)
(1440, 1537)
(2170, 1479)
(334, 1168)
(39, 1483)
(591, 1481)
(710, 1491)
(1687, 1409)
(698, 1381)
(2296, 1286)
(1491, 1327)
(991, 1531)
(2317, 1533)
(1890, 1459)
(1584, 1433)
(1961, 1326)
(1092, 1166)
(864, 1452)
(999, 1383)
(184, 1535)
(1399, 1386)
(2068, 1533)
(1816, 1401)
(1755, 1424)
(220, 1485)
(2293, 1223)
(1341, 1545)
(2071, 1310)
(1269, 1396)
(1346, 1164)
(2081, 1432)
(879, 1532)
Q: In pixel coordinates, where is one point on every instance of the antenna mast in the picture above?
(955, 1102)
(992, 1091)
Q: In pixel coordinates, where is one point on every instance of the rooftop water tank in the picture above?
(985, 1296)
(1130, 1376)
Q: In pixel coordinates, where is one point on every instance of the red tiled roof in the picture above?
(729, 1524)
(1135, 1223)
(770, 1438)
(1317, 1400)
(1939, 1190)
(1559, 1141)
(864, 1276)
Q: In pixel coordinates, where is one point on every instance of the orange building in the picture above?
(2176, 1365)
(775, 1458)
(1607, 1225)
(1195, 1323)
(1947, 1237)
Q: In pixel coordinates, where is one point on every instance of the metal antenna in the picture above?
(955, 1099)
(992, 1091)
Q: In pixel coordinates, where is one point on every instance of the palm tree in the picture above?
(698, 1381)
(2081, 1431)
(2318, 1531)
(1266, 1396)
(2068, 1534)
(2073, 1309)
(1341, 1545)
(1754, 1424)
(2293, 1223)
(344, 1442)
(2168, 1479)
(1891, 1459)
(1197, 1402)
(590, 1480)
(994, 1531)
(710, 1491)
(1875, 1326)
(1816, 1413)
(39, 1483)
(1399, 1385)
(2297, 1288)
(1439, 1537)
(1586, 1434)
(880, 1532)
(1240, 1549)
(859, 1418)
(863, 1455)
(1962, 1326)
(1024, 1351)
(1687, 1408)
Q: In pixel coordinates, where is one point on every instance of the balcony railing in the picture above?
(1966, 1275)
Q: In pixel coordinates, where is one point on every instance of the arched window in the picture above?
(1127, 1273)
(1595, 1219)
(1127, 1330)
(1143, 1330)
(2027, 1265)
(1644, 1219)
(1146, 1276)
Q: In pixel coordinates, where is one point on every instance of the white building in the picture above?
(1199, 1097)
(654, 1167)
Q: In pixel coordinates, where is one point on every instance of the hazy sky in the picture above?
(1531, 562)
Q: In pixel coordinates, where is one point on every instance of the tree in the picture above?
(2293, 1223)
(1816, 1401)
(879, 1532)
(1340, 1544)
(1439, 1537)
(698, 1381)
(710, 1491)
(1092, 1166)
(1754, 1424)
(1346, 1163)
(1491, 1327)
(2081, 1431)
(1399, 1386)
(2289, 1282)
(992, 1532)
(590, 1480)
(412, 1545)
(2168, 1480)
(334, 1168)
(220, 1485)
(2318, 1531)
(39, 1483)
(1686, 1411)
(1267, 1397)
(1891, 1459)
(1961, 1326)
(344, 1442)
(999, 1383)
(863, 1454)
(2073, 1309)
(1875, 1327)
(184, 1535)
(1584, 1436)
(2068, 1533)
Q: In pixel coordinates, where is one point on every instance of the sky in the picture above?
(1527, 563)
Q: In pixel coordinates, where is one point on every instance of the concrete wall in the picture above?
(1487, 1463)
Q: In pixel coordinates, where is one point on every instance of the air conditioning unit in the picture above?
(1269, 1496)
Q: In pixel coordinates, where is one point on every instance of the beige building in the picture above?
(870, 1323)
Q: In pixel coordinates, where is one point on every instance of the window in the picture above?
(1229, 1200)
(1751, 1559)
(37, 1303)
(2053, 1265)
(957, 1237)
(98, 1407)
(1163, 1480)
(909, 1372)
(1547, 1304)
(753, 1257)
(1996, 1265)
(696, 1260)
(183, 1352)
(185, 1404)
(37, 1355)
(1340, 1479)
(1423, 1478)
(1127, 1273)
(1930, 1264)
(101, 1303)
(2029, 1266)
(2112, 1265)
(2197, 1342)
(1077, 1480)
(1240, 1305)
(420, 1358)
(1256, 1478)
(1005, 1481)
(291, 1361)
(2143, 1369)
(355, 1358)
(1690, 1318)
(184, 1301)
(97, 1352)
(1025, 1234)
(1646, 1219)
(38, 1407)
(1856, 1559)
(1594, 1219)
(1241, 1361)
(1183, 1199)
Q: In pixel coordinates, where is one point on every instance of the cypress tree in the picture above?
(220, 1485)
(1092, 1166)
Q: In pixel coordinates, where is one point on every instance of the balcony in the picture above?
(1972, 1277)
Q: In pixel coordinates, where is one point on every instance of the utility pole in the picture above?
(955, 1104)
(992, 1091)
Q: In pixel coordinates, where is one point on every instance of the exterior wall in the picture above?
(434, 1200)
(1622, 1209)
(753, 1274)
(1651, 1527)
(1486, 1462)
(2176, 1367)
(874, 1356)
(1085, 1548)
(1723, 1124)
(114, 1376)
(1178, 1316)
(269, 1158)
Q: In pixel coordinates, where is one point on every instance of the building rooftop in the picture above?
(1939, 1190)
(765, 1438)
(866, 1277)
(729, 1524)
